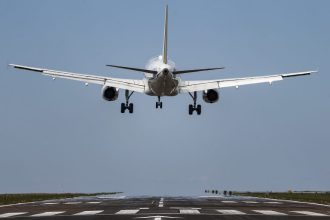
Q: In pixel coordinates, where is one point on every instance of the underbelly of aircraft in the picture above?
(163, 86)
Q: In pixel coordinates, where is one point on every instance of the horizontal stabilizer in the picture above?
(134, 69)
(196, 70)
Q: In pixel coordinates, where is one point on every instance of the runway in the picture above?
(157, 208)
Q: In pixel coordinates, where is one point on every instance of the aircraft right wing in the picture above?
(129, 84)
(200, 85)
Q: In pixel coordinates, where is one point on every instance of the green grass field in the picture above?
(32, 197)
(319, 197)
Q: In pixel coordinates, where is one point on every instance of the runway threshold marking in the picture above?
(189, 211)
(10, 214)
(230, 212)
(269, 212)
(43, 214)
(128, 211)
(309, 213)
(94, 212)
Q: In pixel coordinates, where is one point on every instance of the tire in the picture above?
(122, 108)
(156, 104)
(190, 109)
(130, 108)
(199, 109)
(161, 104)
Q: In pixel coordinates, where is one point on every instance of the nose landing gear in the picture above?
(159, 103)
(194, 107)
(127, 105)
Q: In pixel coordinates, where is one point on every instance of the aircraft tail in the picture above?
(164, 55)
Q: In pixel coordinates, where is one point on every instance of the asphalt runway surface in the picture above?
(158, 208)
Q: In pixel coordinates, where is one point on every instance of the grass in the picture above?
(316, 197)
(32, 197)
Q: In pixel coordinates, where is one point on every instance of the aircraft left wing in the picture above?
(129, 84)
(192, 86)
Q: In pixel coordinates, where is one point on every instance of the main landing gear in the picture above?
(127, 105)
(159, 103)
(194, 107)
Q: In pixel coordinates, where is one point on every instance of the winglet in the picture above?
(165, 36)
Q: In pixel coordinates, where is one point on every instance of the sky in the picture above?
(61, 136)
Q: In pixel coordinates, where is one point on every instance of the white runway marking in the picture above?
(46, 214)
(251, 202)
(309, 213)
(10, 214)
(128, 212)
(93, 202)
(269, 212)
(161, 203)
(230, 212)
(51, 203)
(189, 211)
(226, 201)
(272, 202)
(89, 212)
(72, 203)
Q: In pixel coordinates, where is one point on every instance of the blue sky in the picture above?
(60, 136)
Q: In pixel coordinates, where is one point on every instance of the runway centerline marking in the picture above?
(251, 202)
(89, 212)
(269, 212)
(189, 211)
(128, 211)
(93, 202)
(43, 214)
(50, 203)
(309, 213)
(161, 203)
(71, 203)
(225, 201)
(230, 212)
(272, 202)
(10, 214)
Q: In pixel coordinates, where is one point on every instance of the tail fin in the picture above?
(165, 37)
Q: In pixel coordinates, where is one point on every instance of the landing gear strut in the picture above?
(159, 103)
(194, 107)
(127, 105)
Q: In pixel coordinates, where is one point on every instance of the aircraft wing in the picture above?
(129, 84)
(192, 86)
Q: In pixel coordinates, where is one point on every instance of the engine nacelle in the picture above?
(109, 93)
(210, 96)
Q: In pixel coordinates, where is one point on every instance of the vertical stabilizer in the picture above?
(165, 37)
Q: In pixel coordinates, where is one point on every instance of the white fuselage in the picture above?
(164, 83)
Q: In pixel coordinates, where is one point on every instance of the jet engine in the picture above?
(210, 96)
(109, 93)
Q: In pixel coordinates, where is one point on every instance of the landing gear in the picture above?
(127, 105)
(194, 107)
(159, 103)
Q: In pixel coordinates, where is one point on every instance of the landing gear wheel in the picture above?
(130, 108)
(190, 109)
(199, 109)
(122, 108)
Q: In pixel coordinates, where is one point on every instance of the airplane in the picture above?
(161, 78)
